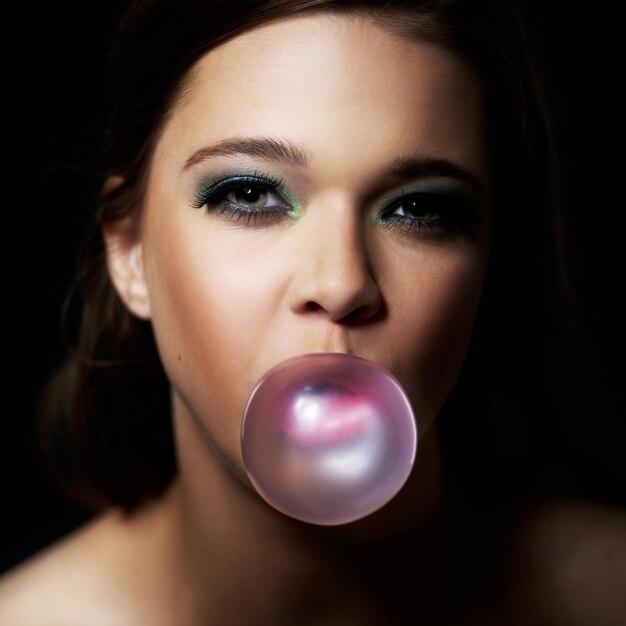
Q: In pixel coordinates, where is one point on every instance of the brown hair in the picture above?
(105, 415)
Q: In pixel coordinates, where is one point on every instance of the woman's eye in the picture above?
(437, 213)
(253, 199)
(253, 196)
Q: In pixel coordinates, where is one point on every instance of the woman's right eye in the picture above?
(252, 195)
(255, 200)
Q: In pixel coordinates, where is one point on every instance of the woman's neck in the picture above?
(243, 562)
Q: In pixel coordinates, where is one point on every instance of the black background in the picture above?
(55, 98)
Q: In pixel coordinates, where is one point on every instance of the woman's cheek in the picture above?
(439, 323)
(208, 308)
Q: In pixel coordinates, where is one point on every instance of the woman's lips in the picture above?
(328, 414)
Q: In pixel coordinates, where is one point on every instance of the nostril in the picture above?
(358, 315)
(312, 306)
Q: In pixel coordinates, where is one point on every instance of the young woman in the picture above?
(285, 178)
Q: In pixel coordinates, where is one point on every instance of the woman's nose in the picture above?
(333, 273)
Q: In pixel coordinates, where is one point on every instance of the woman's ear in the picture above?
(124, 260)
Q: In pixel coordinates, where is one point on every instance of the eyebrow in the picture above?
(290, 153)
(268, 148)
(421, 166)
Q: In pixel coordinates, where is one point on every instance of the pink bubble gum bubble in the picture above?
(328, 438)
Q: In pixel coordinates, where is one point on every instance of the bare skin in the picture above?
(567, 562)
(231, 296)
(113, 570)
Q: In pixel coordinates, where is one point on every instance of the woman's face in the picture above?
(322, 185)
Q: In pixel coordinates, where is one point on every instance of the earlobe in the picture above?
(125, 266)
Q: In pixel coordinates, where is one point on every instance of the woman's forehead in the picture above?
(345, 86)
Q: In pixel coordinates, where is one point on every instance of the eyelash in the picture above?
(454, 215)
(215, 194)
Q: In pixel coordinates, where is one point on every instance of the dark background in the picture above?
(58, 94)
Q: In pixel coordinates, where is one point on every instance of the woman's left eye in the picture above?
(253, 199)
(435, 212)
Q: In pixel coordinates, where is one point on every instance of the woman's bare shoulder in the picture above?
(52, 586)
(570, 563)
(104, 572)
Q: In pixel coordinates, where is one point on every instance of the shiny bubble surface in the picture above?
(328, 438)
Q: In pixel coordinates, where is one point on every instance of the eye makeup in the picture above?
(433, 208)
(425, 208)
(236, 196)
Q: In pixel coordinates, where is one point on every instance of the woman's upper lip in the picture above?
(328, 415)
